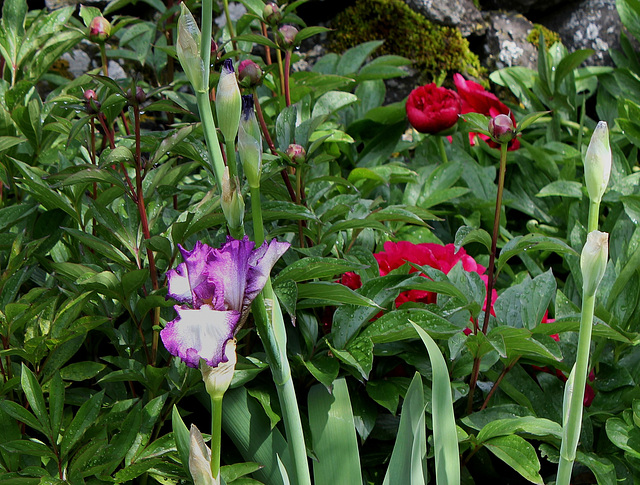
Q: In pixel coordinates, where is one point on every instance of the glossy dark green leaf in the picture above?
(81, 371)
(34, 395)
(315, 267)
(82, 421)
(518, 454)
(333, 293)
(16, 411)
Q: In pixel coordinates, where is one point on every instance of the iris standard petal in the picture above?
(200, 334)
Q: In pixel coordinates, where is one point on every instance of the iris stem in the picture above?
(230, 149)
(216, 435)
(227, 16)
(443, 153)
(205, 40)
(210, 135)
(574, 398)
(256, 214)
(272, 332)
(594, 212)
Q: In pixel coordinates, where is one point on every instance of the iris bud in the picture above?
(597, 162)
(593, 261)
(217, 379)
(99, 29)
(228, 102)
(250, 143)
(188, 50)
(231, 201)
(501, 129)
(287, 37)
(296, 153)
(199, 458)
(249, 74)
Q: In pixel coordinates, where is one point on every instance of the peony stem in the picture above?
(443, 153)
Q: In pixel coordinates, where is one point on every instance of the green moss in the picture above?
(550, 37)
(436, 51)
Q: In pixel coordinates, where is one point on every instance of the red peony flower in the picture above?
(432, 109)
(475, 99)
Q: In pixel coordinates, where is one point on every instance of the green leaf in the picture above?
(530, 119)
(520, 244)
(309, 32)
(101, 246)
(16, 411)
(476, 122)
(445, 435)
(351, 61)
(257, 39)
(81, 371)
(518, 454)
(56, 403)
(395, 326)
(182, 437)
(562, 188)
(136, 469)
(245, 423)
(33, 392)
(629, 11)
(264, 398)
(410, 448)
(333, 293)
(358, 354)
(467, 234)
(569, 63)
(26, 447)
(333, 435)
(82, 421)
(331, 102)
(315, 267)
(526, 424)
(13, 214)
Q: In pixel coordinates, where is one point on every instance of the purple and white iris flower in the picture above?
(215, 288)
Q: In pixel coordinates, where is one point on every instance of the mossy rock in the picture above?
(550, 37)
(437, 51)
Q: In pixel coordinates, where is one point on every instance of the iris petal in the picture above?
(200, 334)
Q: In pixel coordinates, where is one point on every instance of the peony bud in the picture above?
(593, 261)
(287, 37)
(217, 379)
(250, 143)
(249, 74)
(140, 96)
(199, 459)
(272, 14)
(188, 50)
(501, 129)
(597, 162)
(228, 102)
(231, 201)
(99, 29)
(91, 101)
(296, 153)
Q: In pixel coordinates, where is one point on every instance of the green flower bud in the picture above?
(593, 261)
(296, 153)
(199, 459)
(250, 143)
(249, 74)
(287, 36)
(99, 29)
(231, 201)
(228, 102)
(501, 129)
(188, 50)
(597, 162)
(272, 14)
(217, 379)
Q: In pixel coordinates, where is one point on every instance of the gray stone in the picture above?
(523, 6)
(591, 24)
(462, 14)
(506, 43)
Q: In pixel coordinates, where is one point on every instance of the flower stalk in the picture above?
(593, 263)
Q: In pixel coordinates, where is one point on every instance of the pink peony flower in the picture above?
(432, 109)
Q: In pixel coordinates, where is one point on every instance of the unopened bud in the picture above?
(597, 162)
(231, 201)
(272, 14)
(188, 50)
(217, 379)
(91, 101)
(228, 102)
(199, 458)
(249, 74)
(250, 143)
(287, 37)
(593, 261)
(296, 153)
(99, 29)
(501, 129)
(140, 96)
